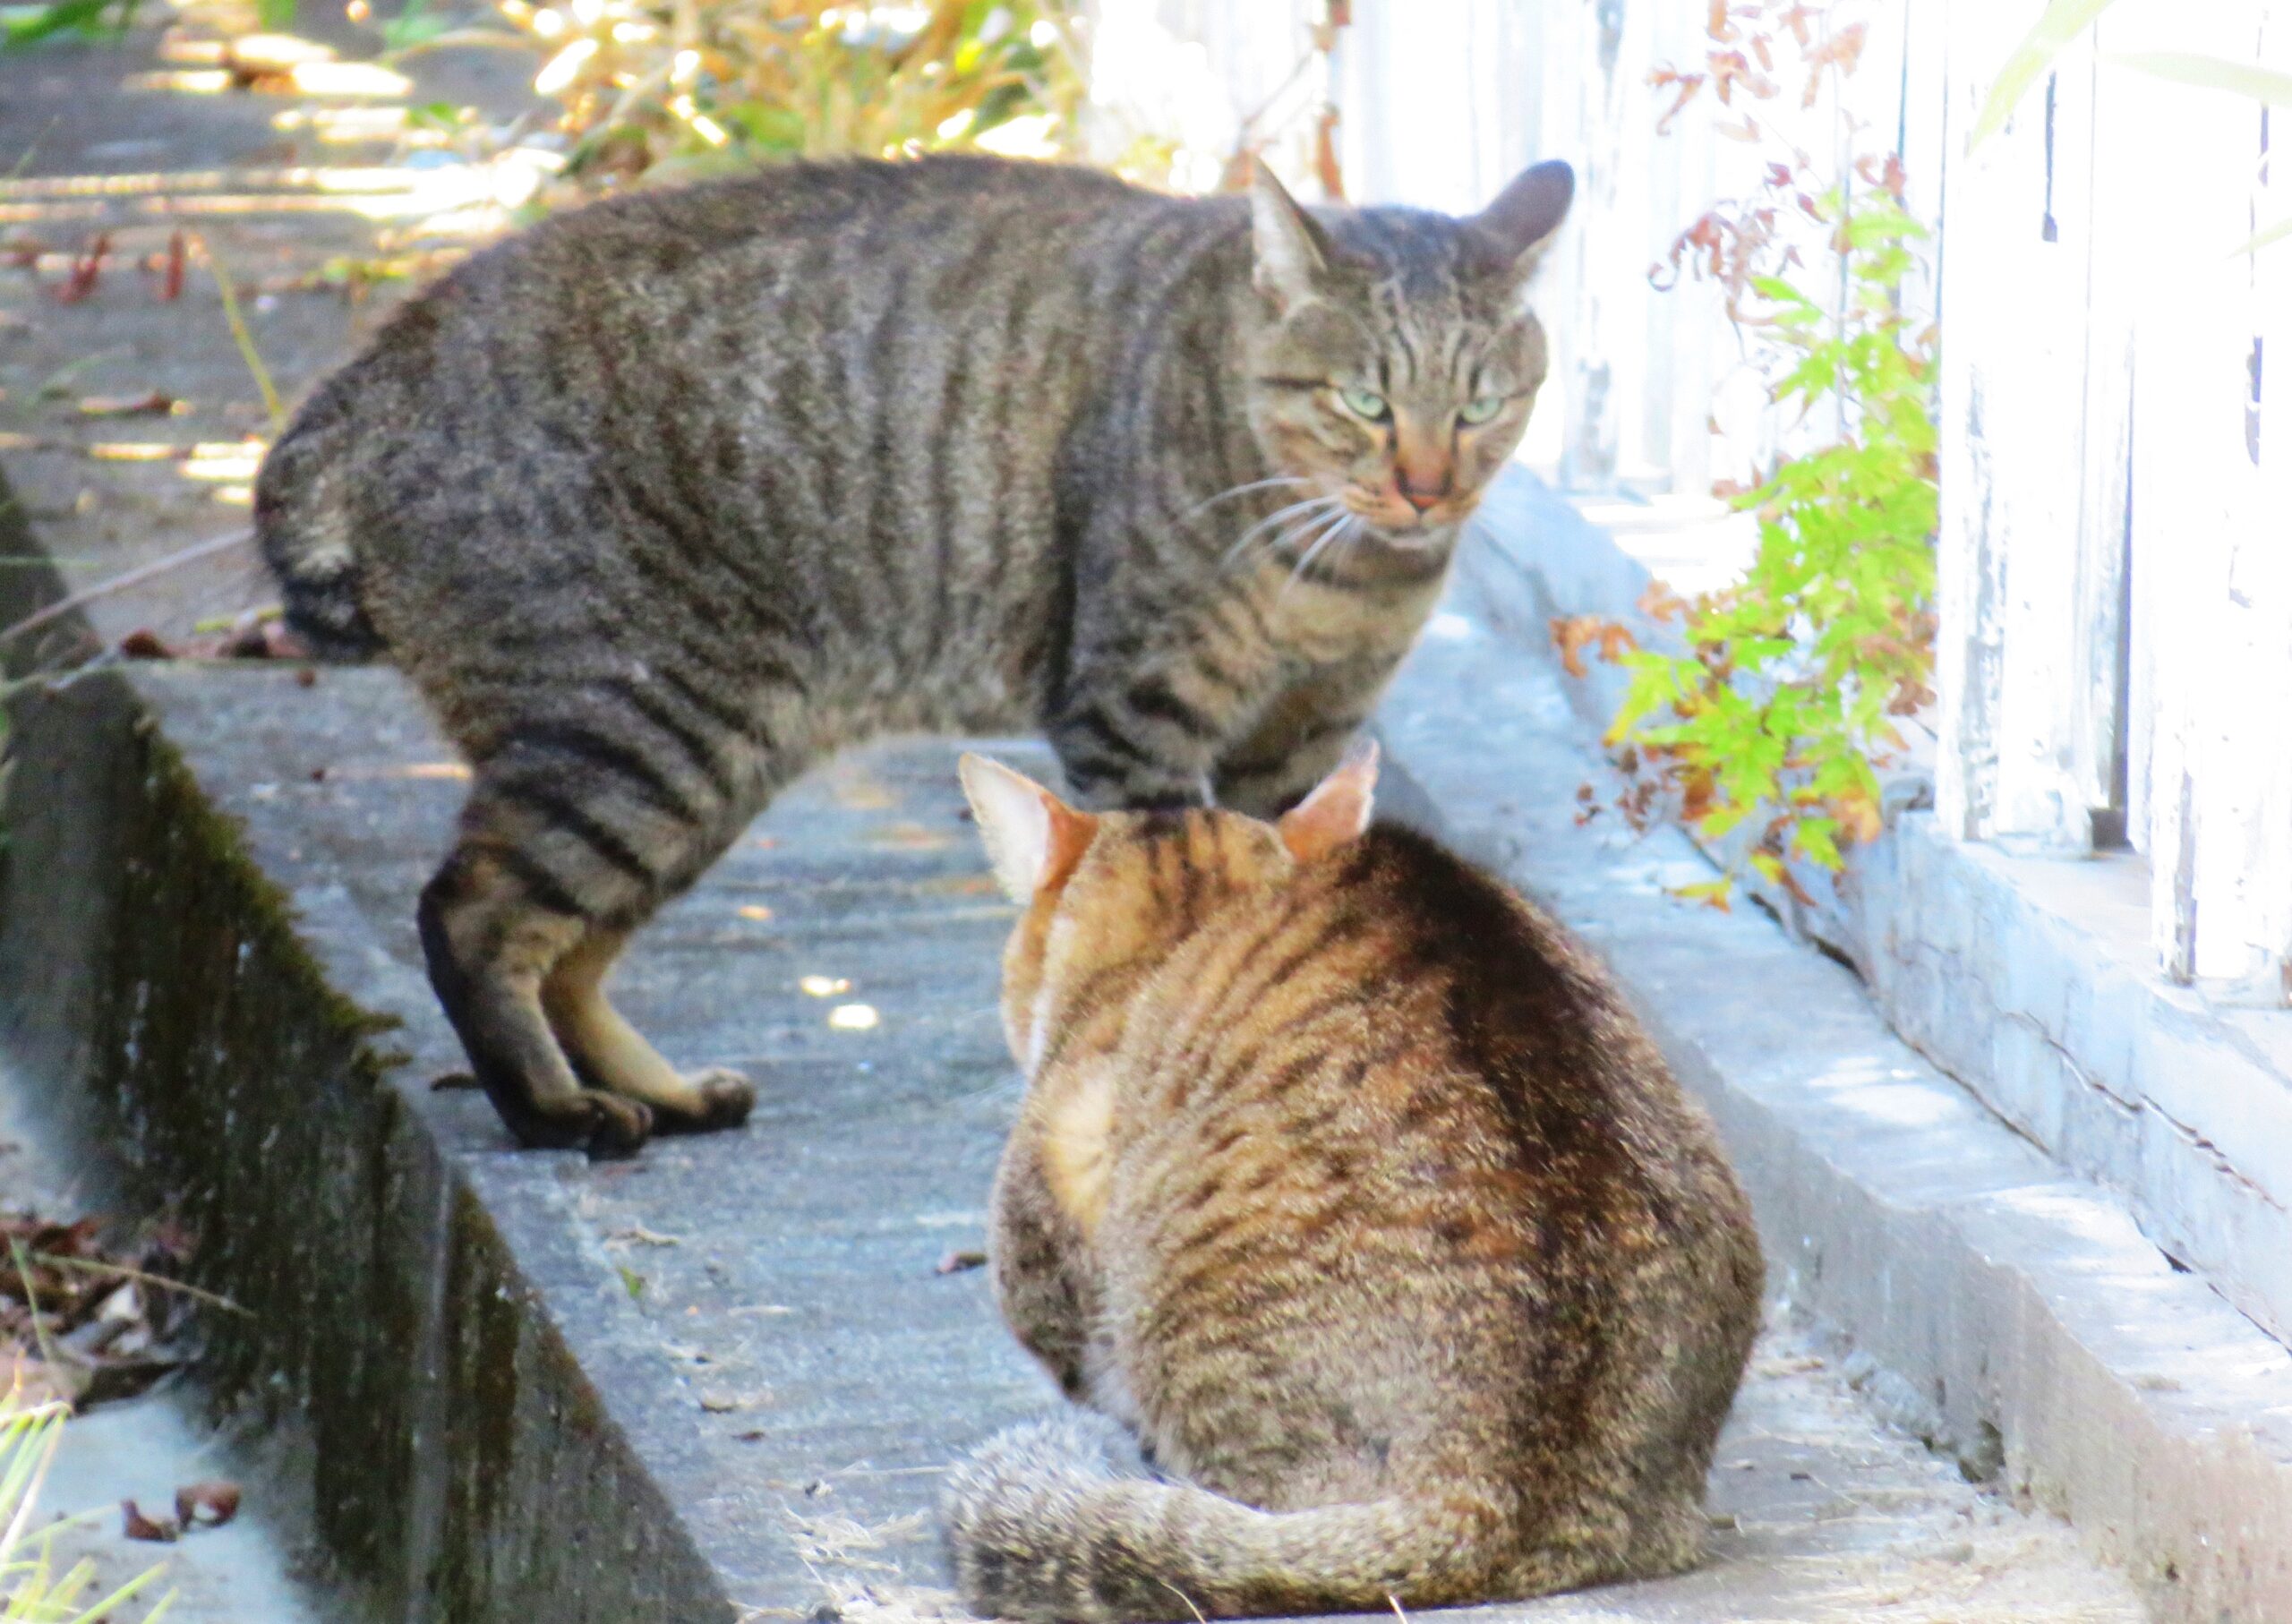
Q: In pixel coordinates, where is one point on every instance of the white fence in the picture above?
(2116, 549)
(2118, 504)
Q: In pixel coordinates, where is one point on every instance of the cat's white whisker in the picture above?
(1312, 508)
(1329, 533)
(1292, 534)
(1354, 536)
(1207, 503)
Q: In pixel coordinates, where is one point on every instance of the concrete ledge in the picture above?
(438, 1439)
(2031, 980)
(714, 1383)
(2026, 978)
(2010, 1309)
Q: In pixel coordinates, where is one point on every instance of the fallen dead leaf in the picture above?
(909, 837)
(209, 1504)
(86, 268)
(86, 1315)
(1569, 635)
(637, 1234)
(138, 1526)
(151, 403)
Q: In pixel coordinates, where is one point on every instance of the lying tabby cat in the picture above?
(1351, 1187)
(663, 499)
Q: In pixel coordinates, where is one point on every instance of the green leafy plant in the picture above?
(94, 18)
(32, 1589)
(678, 86)
(1774, 713)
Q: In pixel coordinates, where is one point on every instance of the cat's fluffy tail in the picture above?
(304, 528)
(1057, 1520)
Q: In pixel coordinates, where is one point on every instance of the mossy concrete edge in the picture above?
(392, 1367)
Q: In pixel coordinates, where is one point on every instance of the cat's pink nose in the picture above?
(1424, 485)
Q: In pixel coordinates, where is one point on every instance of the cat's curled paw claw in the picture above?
(621, 1126)
(726, 1097)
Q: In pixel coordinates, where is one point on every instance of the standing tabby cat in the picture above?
(1347, 1184)
(661, 499)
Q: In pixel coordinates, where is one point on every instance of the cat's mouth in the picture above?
(1407, 528)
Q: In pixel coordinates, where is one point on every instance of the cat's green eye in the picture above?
(1481, 410)
(1364, 403)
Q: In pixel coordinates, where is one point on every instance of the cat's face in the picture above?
(1395, 360)
(1113, 891)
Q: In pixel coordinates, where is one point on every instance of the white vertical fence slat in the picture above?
(1589, 124)
(1688, 339)
(2265, 576)
(2097, 359)
(2128, 155)
(2210, 549)
(1968, 656)
(2012, 409)
(1920, 130)
(2099, 682)
(1555, 439)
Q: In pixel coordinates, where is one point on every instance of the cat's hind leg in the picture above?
(608, 1053)
(494, 926)
(574, 835)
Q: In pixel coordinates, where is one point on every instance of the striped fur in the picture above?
(664, 498)
(1347, 1184)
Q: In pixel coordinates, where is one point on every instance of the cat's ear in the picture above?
(1032, 838)
(1337, 810)
(1292, 254)
(1513, 230)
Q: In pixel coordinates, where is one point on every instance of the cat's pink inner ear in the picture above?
(1071, 833)
(1337, 810)
(1034, 839)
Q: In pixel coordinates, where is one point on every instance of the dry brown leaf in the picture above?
(208, 1504)
(151, 403)
(1571, 634)
(1660, 603)
(136, 1525)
